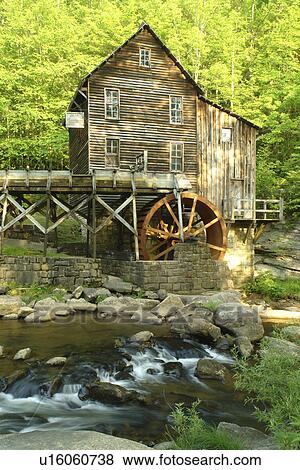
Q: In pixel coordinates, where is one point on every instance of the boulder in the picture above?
(125, 373)
(222, 344)
(22, 354)
(146, 317)
(125, 306)
(292, 332)
(212, 369)
(198, 327)
(11, 316)
(152, 371)
(252, 438)
(91, 294)
(9, 304)
(107, 393)
(239, 320)
(115, 284)
(77, 292)
(141, 337)
(6, 382)
(197, 309)
(56, 361)
(60, 309)
(3, 290)
(50, 389)
(175, 369)
(162, 294)
(149, 294)
(170, 305)
(25, 311)
(281, 346)
(39, 317)
(81, 305)
(244, 346)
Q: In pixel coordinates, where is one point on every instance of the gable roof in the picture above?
(184, 72)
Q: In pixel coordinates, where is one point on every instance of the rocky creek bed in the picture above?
(104, 360)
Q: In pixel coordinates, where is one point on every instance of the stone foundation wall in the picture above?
(191, 271)
(239, 256)
(68, 272)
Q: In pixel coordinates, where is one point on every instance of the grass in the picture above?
(10, 250)
(271, 383)
(189, 431)
(211, 305)
(273, 288)
(34, 292)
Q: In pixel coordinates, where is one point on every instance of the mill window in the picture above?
(112, 103)
(226, 134)
(176, 156)
(176, 109)
(112, 153)
(145, 57)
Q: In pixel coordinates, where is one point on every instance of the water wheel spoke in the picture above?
(157, 246)
(204, 227)
(192, 214)
(165, 252)
(172, 213)
(214, 247)
(151, 231)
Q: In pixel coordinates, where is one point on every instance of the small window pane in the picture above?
(112, 153)
(176, 110)
(176, 157)
(145, 57)
(112, 104)
(226, 135)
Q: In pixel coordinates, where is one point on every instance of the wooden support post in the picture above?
(281, 208)
(94, 215)
(88, 233)
(134, 215)
(179, 202)
(48, 209)
(4, 212)
(54, 219)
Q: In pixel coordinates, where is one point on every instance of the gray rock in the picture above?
(56, 361)
(198, 327)
(81, 305)
(169, 306)
(244, 346)
(91, 294)
(77, 293)
(9, 304)
(67, 440)
(22, 354)
(196, 309)
(211, 369)
(11, 379)
(60, 309)
(25, 311)
(240, 320)
(281, 346)
(175, 369)
(3, 290)
(141, 337)
(146, 317)
(44, 304)
(115, 284)
(252, 438)
(222, 344)
(162, 294)
(39, 317)
(107, 393)
(151, 295)
(11, 316)
(125, 306)
(291, 332)
(50, 389)
(166, 445)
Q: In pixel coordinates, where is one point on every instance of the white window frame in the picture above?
(231, 134)
(107, 154)
(170, 110)
(105, 104)
(182, 161)
(144, 48)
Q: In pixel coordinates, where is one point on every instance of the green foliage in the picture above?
(245, 55)
(34, 292)
(211, 305)
(273, 288)
(272, 386)
(191, 432)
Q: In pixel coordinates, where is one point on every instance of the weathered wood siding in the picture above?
(226, 170)
(144, 122)
(78, 145)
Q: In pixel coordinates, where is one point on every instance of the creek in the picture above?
(90, 348)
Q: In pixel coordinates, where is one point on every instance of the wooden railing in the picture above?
(267, 210)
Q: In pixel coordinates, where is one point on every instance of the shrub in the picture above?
(190, 431)
(272, 385)
(274, 288)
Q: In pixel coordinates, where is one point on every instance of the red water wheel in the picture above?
(159, 228)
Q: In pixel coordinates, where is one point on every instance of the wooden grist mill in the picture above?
(153, 163)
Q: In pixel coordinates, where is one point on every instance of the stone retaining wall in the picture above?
(191, 271)
(67, 272)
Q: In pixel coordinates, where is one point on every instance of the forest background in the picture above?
(244, 53)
